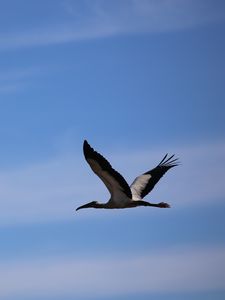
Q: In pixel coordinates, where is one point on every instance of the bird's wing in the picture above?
(114, 182)
(144, 183)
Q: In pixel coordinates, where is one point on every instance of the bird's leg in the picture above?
(145, 203)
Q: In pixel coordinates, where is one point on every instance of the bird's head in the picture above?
(90, 204)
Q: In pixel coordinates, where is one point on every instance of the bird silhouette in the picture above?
(123, 195)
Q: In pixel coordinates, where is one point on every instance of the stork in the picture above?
(123, 195)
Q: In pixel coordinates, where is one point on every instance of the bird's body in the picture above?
(123, 195)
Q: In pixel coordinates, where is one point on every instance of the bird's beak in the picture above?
(85, 206)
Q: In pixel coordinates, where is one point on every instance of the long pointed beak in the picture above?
(84, 206)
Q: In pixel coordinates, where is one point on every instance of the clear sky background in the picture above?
(137, 79)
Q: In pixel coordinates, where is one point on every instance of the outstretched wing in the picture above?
(144, 183)
(114, 182)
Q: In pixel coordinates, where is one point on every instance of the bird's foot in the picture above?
(163, 205)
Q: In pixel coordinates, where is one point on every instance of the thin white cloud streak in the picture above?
(9, 88)
(40, 191)
(100, 19)
(51, 190)
(172, 270)
(16, 80)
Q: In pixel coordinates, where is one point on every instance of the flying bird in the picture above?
(123, 195)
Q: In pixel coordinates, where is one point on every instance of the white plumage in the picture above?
(139, 185)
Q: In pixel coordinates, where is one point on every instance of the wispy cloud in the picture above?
(97, 19)
(39, 191)
(8, 88)
(51, 190)
(172, 270)
(15, 80)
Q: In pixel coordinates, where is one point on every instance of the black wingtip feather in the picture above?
(163, 159)
(85, 144)
(91, 153)
(168, 161)
(87, 149)
(156, 173)
(169, 158)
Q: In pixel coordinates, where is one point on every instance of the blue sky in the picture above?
(137, 79)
